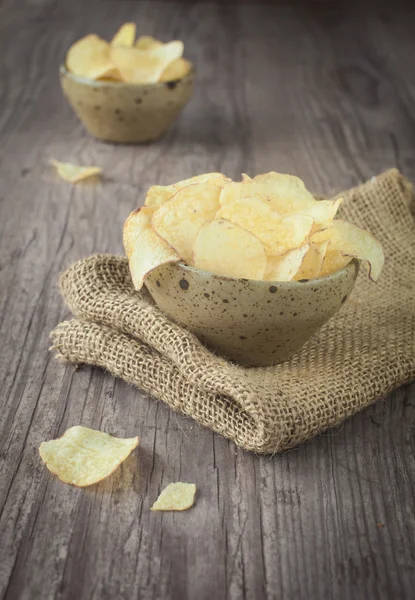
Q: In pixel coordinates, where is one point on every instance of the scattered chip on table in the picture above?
(176, 496)
(84, 456)
(74, 173)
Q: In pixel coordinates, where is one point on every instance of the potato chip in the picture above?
(176, 496)
(284, 268)
(352, 241)
(284, 182)
(157, 195)
(178, 69)
(246, 178)
(145, 66)
(277, 234)
(84, 456)
(74, 173)
(216, 178)
(334, 260)
(125, 36)
(313, 261)
(224, 248)
(144, 248)
(146, 42)
(178, 221)
(90, 57)
(285, 198)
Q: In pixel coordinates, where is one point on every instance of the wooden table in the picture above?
(326, 93)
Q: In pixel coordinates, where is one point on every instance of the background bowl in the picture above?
(124, 112)
(254, 323)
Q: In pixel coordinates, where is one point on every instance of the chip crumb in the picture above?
(74, 173)
(380, 525)
(176, 496)
(84, 456)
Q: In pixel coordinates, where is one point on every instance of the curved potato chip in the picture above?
(216, 178)
(224, 248)
(178, 221)
(145, 250)
(282, 180)
(145, 66)
(353, 241)
(277, 234)
(157, 195)
(284, 268)
(285, 198)
(246, 178)
(146, 42)
(313, 261)
(90, 57)
(334, 260)
(178, 69)
(74, 173)
(84, 456)
(176, 496)
(125, 36)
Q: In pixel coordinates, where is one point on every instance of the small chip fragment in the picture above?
(83, 456)
(176, 496)
(74, 173)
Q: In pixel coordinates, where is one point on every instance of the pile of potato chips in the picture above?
(124, 59)
(267, 228)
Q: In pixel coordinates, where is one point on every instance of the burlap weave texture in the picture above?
(362, 353)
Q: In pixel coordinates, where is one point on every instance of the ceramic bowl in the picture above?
(125, 112)
(254, 323)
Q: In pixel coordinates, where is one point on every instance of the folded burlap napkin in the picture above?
(362, 353)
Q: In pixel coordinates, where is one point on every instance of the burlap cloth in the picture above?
(362, 353)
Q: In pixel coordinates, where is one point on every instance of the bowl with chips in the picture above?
(127, 91)
(253, 268)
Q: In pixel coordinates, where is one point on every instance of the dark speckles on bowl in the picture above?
(282, 315)
(123, 112)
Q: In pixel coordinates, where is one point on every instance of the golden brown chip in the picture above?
(277, 234)
(284, 268)
(178, 69)
(313, 261)
(178, 220)
(224, 248)
(334, 260)
(74, 173)
(176, 496)
(125, 36)
(84, 456)
(145, 66)
(354, 242)
(145, 250)
(90, 57)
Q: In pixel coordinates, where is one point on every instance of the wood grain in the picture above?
(325, 92)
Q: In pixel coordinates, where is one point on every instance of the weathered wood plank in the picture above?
(326, 93)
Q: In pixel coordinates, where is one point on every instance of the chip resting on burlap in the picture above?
(362, 353)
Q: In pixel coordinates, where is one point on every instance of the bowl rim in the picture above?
(114, 84)
(301, 282)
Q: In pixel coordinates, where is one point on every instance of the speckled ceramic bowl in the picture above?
(125, 112)
(254, 323)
